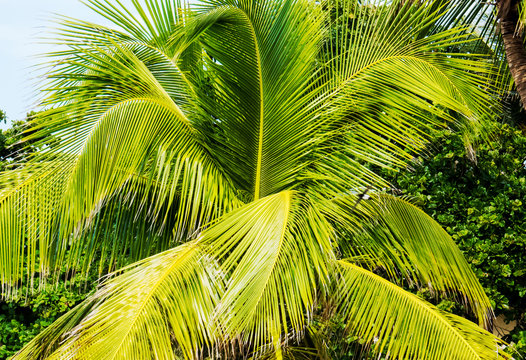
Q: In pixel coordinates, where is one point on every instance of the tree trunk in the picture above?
(508, 15)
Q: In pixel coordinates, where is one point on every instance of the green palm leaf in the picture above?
(274, 278)
(391, 233)
(402, 325)
(258, 94)
(120, 96)
(220, 287)
(133, 316)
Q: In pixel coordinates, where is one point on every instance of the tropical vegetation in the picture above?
(479, 202)
(219, 163)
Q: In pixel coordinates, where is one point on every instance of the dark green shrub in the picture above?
(481, 203)
(22, 319)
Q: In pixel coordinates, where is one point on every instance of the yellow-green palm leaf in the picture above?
(404, 326)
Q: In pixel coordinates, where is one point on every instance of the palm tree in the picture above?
(220, 162)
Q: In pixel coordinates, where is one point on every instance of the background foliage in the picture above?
(22, 319)
(12, 150)
(480, 203)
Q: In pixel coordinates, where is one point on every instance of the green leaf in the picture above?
(402, 325)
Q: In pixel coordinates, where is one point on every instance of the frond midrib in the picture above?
(286, 197)
(259, 156)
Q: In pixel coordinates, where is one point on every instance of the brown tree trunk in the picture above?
(508, 15)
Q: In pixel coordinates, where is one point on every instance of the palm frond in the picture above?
(273, 276)
(28, 203)
(263, 85)
(148, 20)
(391, 233)
(125, 128)
(134, 313)
(392, 89)
(245, 278)
(402, 326)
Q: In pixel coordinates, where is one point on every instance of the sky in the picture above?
(22, 23)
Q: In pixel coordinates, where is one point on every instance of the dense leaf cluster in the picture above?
(481, 204)
(22, 319)
(13, 149)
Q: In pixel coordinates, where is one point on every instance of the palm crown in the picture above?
(222, 159)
